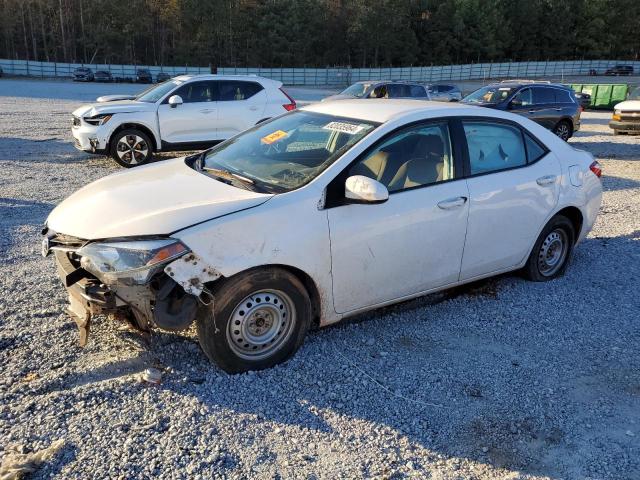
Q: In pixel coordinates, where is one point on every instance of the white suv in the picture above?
(185, 113)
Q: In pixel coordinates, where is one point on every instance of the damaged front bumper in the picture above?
(169, 300)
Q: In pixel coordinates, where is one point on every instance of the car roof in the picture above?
(211, 76)
(532, 83)
(382, 110)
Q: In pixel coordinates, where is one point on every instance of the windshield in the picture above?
(357, 89)
(287, 152)
(155, 93)
(635, 94)
(491, 94)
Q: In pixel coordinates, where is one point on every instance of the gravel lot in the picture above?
(504, 379)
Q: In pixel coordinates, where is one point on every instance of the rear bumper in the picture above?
(625, 126)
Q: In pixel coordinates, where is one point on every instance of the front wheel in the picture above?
(256, 320)
(550, 254)
(563, 130)
(131, 148)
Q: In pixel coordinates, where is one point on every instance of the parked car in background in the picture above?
(442, 92)
(382, 89)
(553, 106)
(620, 70)
(83, 74)
(584, 99)
(162, 77)
(187, 112)
(321, 214)
(626, 115)
(143, 75)
(102, 76)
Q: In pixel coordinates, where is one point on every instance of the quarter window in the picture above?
(413, 157)
(236, 90)
(418, 91)
(494, 147)
(534, 150)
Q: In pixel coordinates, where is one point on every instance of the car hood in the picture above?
(151, 200)
(113, 98)
(628, 105)
(122, 106)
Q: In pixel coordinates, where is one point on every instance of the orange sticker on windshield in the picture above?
(274, 137)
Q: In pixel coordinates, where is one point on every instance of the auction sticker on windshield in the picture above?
(343, 127)
(274, 137)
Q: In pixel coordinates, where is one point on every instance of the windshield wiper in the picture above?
(225, 174)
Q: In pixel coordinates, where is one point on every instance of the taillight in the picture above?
(288, 106)
(596, 169)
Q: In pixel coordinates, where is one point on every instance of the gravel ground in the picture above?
(504, 379)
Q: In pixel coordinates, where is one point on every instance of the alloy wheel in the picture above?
(132, 149)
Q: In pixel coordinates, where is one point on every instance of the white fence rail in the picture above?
(65, 70)
(338, 76)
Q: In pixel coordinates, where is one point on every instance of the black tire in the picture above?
(563, 129)
(222, 325)
(135, 138)
(540, 266)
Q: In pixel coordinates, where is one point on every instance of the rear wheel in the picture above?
(131, 148)
(550, 254)
(256, 320)
(563, 130)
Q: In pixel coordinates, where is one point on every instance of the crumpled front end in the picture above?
(99, 282)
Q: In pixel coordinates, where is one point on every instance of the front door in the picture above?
(193, 121)
(414, 241)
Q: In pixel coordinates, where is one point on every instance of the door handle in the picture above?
(207, 110)
(254, 108)
(452, 203)
(558, 109)
(546, 180)
(532, 111)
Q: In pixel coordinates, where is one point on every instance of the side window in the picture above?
(196, 92)
(543, 95)
(534, 150)
(417, 91)
(379, 91)
(524, 97)
(493, 146)
(415, 156)
(397, 90)
(237, 90)
(563, 96)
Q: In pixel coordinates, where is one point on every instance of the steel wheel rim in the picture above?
(562, 131)
(132, 149)
(260, 324)
(553, 252)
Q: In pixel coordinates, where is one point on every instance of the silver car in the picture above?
(444, 92)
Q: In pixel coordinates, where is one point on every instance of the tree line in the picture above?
(296, 33)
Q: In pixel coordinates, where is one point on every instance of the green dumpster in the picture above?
(603, 95)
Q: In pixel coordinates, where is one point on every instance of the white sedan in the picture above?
(320, 214)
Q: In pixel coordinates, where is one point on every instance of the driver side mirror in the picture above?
(361, 189)
(175, 100)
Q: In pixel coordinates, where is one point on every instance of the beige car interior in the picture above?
(416, 158)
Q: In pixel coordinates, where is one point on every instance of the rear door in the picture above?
(241, 104)
(193, 121)
(544, 101)
(513, 183)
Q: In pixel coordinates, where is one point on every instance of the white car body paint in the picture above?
(359, 257)
(197, 122)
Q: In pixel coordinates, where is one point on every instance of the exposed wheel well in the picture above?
(137, 126)
(575, 216)
(306, 280)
